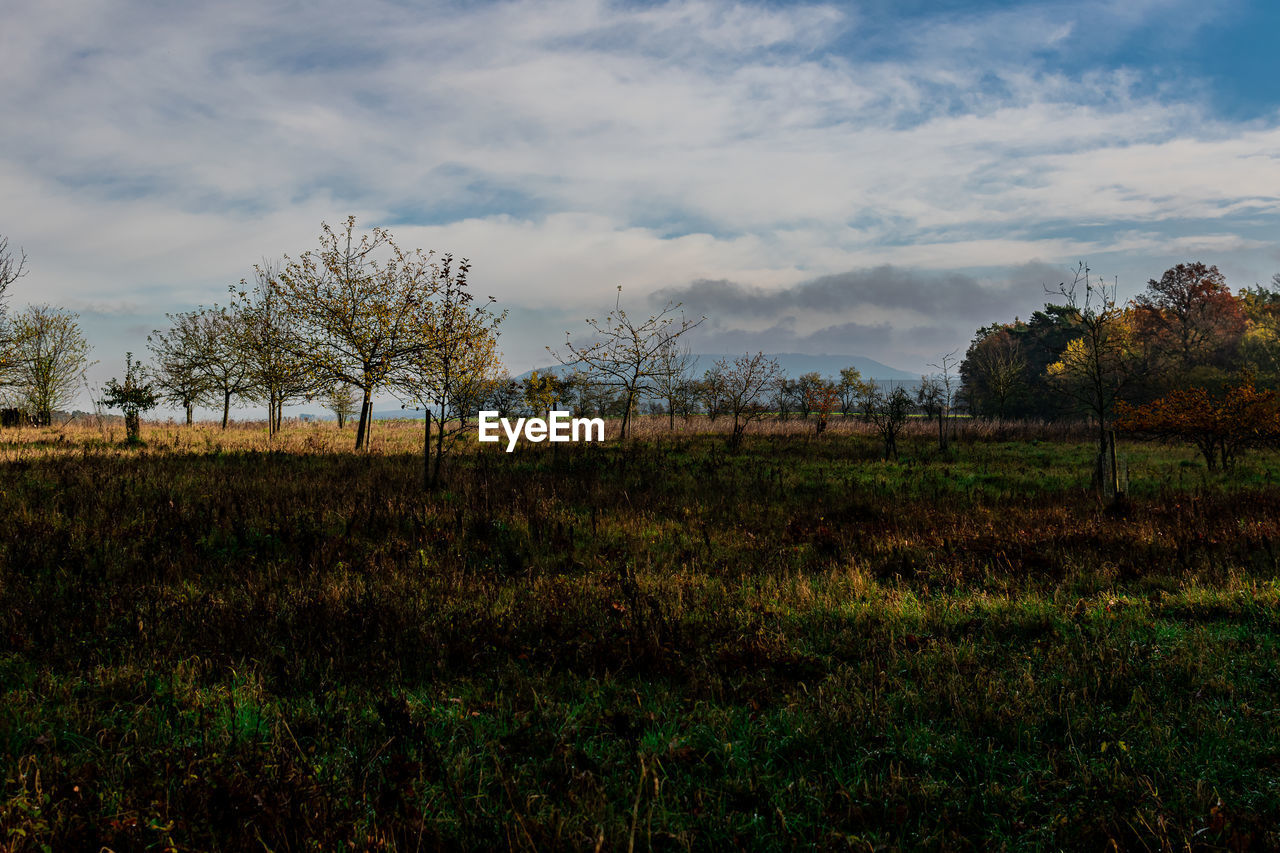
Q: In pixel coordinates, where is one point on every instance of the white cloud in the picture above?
(570, 146)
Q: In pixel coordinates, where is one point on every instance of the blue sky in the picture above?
(965, 153)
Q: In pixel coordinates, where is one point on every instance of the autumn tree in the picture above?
(176, 374)
(1100, 363)
(542, 392)
(743, 384)
(1189, 316)
(269, 342)
(133, 396)
(354, 303)
(50, 355)
(822, 398)
(806, 385)
(628, 353)
(340, 399)
(453, 344)
(851, 388)
(1219, 427)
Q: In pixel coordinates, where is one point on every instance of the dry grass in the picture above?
(221, 642)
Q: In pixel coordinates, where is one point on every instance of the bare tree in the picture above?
(784, 394)
(176, 375)
(50, 356)
(745, 381)
(946, 396)
(220, 357)
(12, 268)
(671, 382)
(627, 353)
(889, 412)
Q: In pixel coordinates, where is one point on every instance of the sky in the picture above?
(875, 179)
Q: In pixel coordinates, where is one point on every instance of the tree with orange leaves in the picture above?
(1188, 318)
(1219, 427)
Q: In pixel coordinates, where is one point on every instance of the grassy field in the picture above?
(212, 643)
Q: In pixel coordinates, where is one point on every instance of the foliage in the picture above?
(266, 337)
(1218, 427)
(49, 357)
(452, 351)
(353, 305)
(133, 396)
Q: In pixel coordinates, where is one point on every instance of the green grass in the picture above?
(658, 644)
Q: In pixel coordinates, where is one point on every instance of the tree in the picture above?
(1219, 427)
(671, 381)
(278, 372)
(806, 385)
(12, 267)
(453, 345)
(946, 383)
(851, 389)
(50, 356)
(888, 413)
(1096, 366)
(626, 353)
(743, 384)
(354, 312)
(931, 399)
(993, 372)
(542, 392)
(822, 399)
(1189, 316)
(176, 375)
(219, 356)
(711, 392)
(341, 400)
(784, 394)
(133, 396)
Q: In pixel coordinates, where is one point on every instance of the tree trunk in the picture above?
(226, 408)
(426, 446)
(189, 407)
(271, 414)
(435, 474)
(364, 419)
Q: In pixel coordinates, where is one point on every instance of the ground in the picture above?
(220, 642)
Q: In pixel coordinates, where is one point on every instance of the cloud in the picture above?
(854, 170)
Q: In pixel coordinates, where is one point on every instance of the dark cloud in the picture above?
(953, 295)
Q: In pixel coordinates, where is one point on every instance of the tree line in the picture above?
(1161, 362)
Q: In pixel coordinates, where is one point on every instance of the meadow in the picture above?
(216, 642)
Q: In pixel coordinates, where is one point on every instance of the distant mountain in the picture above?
(792, 363)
